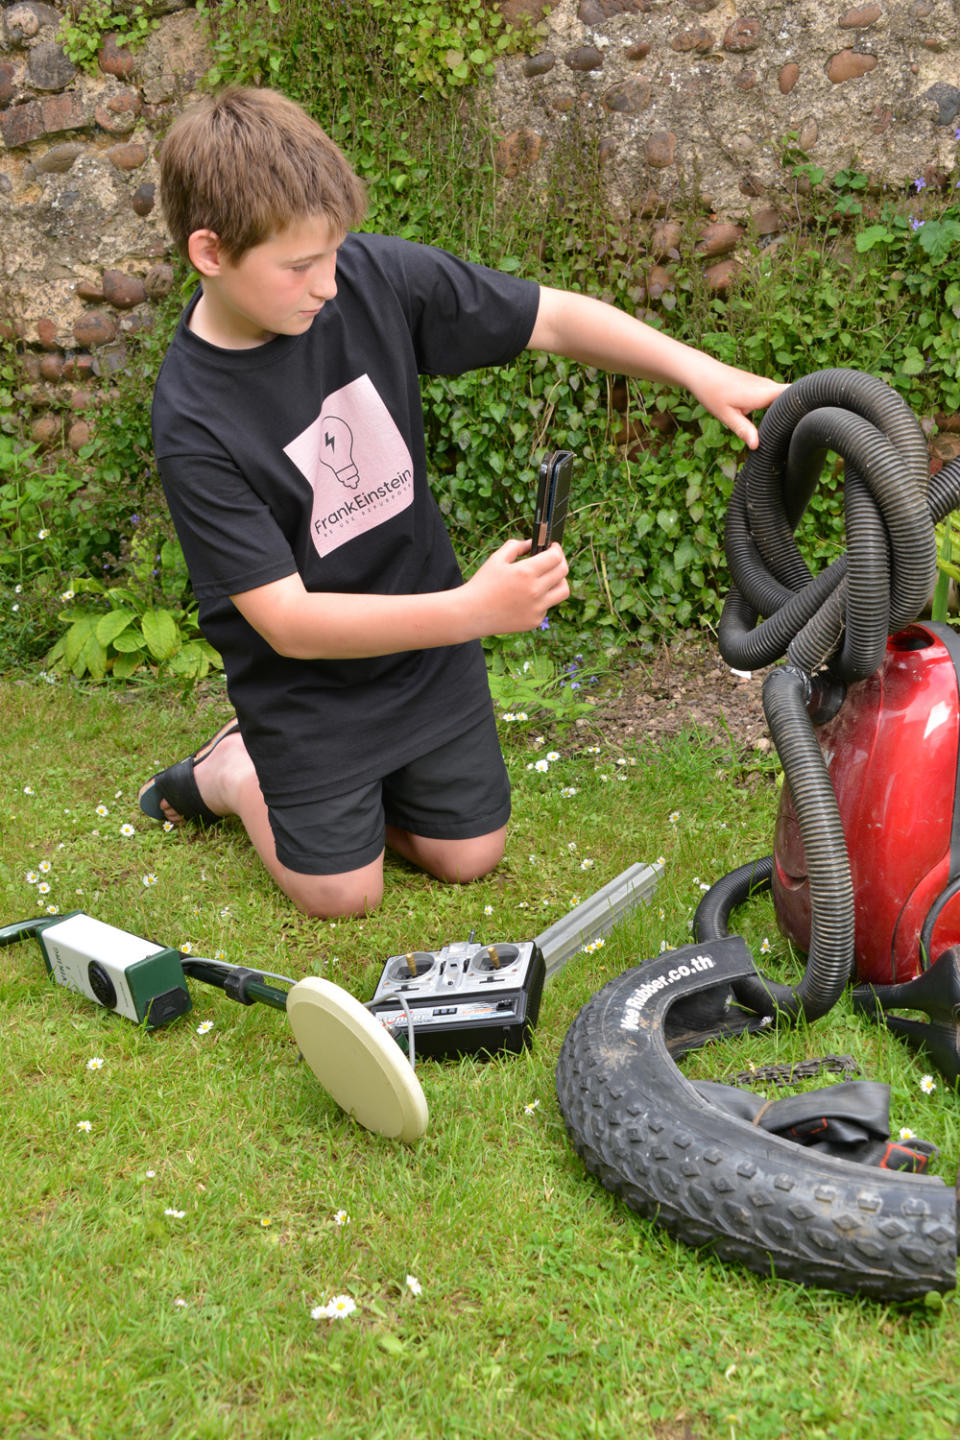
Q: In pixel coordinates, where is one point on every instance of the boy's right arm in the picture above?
(508, 593)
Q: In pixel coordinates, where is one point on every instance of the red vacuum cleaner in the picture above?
(892, 753)
(865, 715)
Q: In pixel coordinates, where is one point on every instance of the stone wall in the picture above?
(685, 99)
(84, 253)
(693, 98)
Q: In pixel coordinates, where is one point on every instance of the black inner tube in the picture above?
(832, 628)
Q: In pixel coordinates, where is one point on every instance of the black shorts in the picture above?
(457, 792)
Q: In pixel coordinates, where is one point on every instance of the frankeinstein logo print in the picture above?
(336, 451)
(357, 464)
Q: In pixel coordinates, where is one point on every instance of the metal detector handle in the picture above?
(10, 934)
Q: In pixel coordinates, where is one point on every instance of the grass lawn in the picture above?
(161, 1266)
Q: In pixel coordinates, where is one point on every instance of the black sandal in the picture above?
(178, 787)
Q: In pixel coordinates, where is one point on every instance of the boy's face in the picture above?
(277, 288)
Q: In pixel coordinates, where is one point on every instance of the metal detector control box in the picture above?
(465, 999)
(133, 977)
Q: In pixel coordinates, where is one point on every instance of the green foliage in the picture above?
(444, 44)
(528, 684)
(87, 23)
(244, 41)
(128, 631)
(43, 515)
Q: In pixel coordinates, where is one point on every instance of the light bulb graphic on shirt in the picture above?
(336, 451)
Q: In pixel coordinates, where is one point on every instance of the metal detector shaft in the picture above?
(240, 984)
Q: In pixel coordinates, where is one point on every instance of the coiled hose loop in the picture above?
(836, 623)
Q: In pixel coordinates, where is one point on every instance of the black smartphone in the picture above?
(553, 493)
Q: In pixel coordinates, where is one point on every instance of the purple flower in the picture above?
(916, 224)
(544, 623)
(919, 184)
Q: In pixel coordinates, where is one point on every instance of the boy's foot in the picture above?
(177, 785)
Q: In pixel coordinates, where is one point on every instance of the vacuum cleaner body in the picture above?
(892, 754)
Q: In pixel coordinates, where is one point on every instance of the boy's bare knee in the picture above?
(456, 862)
(336, 897)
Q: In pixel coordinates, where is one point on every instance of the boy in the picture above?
(289, 438)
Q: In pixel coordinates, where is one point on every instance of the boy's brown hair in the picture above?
(246, 163)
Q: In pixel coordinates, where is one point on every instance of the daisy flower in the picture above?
(174, 1214)
(127, 829)
(149, 880)
(102, 810)
(95, 1062)
(336, 1309)
(204, 1027)
(906, 1133)
(85, 1125)
(928, 1084)
(413, 1285)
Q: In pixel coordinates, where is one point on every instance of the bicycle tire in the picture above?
(715, 1181)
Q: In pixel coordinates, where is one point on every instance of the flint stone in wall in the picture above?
(849, 65)
(115, 59)
(947, 100)
(144, 199)
(48, 68)
(744, 34)
(9, 82)
(123, 291)
(585, 57)
(23, 22)
(57, 160)
(629, 98)
(539, 64)
(860, 17)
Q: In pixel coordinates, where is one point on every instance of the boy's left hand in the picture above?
(731, 395)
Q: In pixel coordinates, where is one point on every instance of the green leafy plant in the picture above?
(243, 36)
(87, 23)
(527, 684)
(129, 630)
(446, 45)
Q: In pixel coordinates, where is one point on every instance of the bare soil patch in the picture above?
(680, 686)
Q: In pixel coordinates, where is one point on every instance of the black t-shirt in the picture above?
(306, 454)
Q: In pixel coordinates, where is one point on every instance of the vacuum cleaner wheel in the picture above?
(356, 1061)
